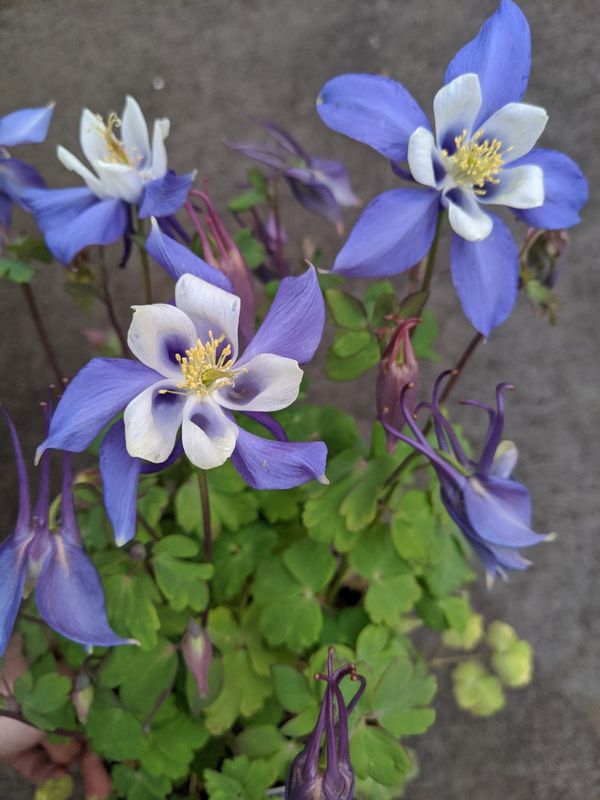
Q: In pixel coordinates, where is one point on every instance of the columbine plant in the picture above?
(240, 570)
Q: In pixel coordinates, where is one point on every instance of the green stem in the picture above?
(42, 332)
(431, 258)
(146, 274)
(110, 308)
(206, 523)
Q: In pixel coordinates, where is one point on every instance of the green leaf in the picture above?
(182, 582)
(321, 514)
(170, 744)
(141, 676)
(375, 753)
(292, 689)
(252, 251)
(240, 779)
(130, 601)
(136, 784)
(280, 504)
(388, 598)
(425, 335)
(261, 741)
(476, 690)
(346, 310)
(347, 369)
(114, 733)
(400, 698)
(17, 271)
(236, 556)
(311, 564)
(359, 507)
(457, 611)
(41, 699)
(246, 200)
(349, 343)
(152, 504)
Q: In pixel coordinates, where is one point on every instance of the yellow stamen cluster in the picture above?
(203, 370)
(476, 163)
(115, 152)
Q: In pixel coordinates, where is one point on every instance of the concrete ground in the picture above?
(223, 64)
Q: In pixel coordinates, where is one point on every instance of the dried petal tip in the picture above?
(197, 654)
(306, 780)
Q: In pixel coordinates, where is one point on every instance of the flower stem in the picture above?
(146, 275)
(430, 264)
(110, 309)
(206, 523)
(42, 332)
(390, 482)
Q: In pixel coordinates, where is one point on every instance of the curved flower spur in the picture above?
(190, 376)
(491, 509)
(69, 593)
(306, 781)
(127, 171)
(482, 154)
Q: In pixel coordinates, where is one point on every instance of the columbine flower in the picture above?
(492, 510)
(397, 367)
(69, 594)
(305, 780)
(189, 375)
(321, 186)
(26, 126)
(127, 172)
(481, 155)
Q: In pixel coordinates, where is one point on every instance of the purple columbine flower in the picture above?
(483, 153)
(492, 510)
(306, 781)
(321, 186)
(127, 172)
(190, 376)
(69, 593)
(26, 126)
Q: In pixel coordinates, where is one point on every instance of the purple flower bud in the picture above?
(306, 781)
(197, 654)
(397, 368)
(221, 251)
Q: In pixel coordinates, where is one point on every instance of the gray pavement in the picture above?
(223, 63)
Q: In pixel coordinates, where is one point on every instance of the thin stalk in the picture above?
(57, 731)
(390, 482)
(38, 321)
(430, 263)
(206, 523)
(139, 229)
(110, 308)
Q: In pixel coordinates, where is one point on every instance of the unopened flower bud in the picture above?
(397, 368)
(82, 697)
(197, 654)
(544, 253)
(306, 781)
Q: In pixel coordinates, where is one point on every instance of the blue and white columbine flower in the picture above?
(482, 153)
(190, 376)
(492, 510)
(68, 590)
(26, 126)
(127, 170)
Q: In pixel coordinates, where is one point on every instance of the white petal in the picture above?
(159, 151)
(421, 152)
(92, 132)
(455, 107)
(134, 134)
(157, 332)
(119, 180)
(519, 187)
(72, 163)
(466, 217)
(208, 436)
(518, 126)
(209, 308)
(151, 422)
(269, 383)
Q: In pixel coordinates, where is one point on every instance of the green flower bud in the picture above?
(55, 789)
(514, 665)
(467, 639)
(500, 636)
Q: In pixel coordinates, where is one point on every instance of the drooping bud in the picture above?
(221, 251)
(397, 368)
(543, 256)
(82, 697)
(197, 654)
(306, 779)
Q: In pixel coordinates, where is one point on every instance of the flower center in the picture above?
(115, 152)
(203, 370)
(475, 163)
